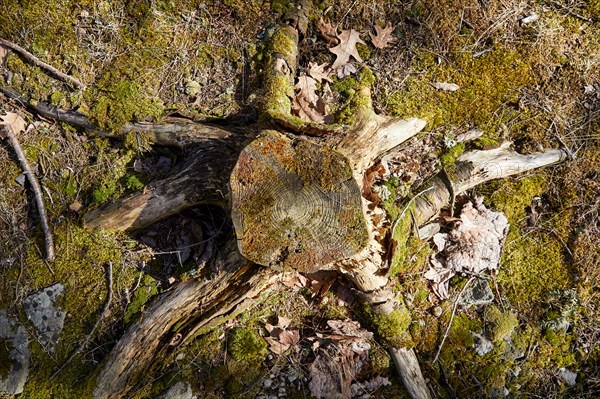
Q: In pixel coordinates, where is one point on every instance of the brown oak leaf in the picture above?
(319, 72)
(14, 122)
(327, 31)
(346, 48)
(383, 37)
(307, 104)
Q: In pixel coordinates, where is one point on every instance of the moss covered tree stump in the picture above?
(295, 204)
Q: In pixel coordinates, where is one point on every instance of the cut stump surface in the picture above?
(295, 204)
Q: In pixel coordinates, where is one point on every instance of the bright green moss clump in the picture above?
(245, 345)
(122, 101)
(502, 324)
(393, 327)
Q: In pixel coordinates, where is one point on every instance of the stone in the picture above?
(567, 376)
(180, 390)
(481, 344)
(14, 354)
(48, 319)
(478, 293)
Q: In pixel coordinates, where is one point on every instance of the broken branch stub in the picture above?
(295, 204)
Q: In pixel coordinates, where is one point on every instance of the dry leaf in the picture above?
(446, 86)
(305, 103)
(346, 48)
(13, 121)
(327, 32)
(345, 70)
(384, 36)
(319, 72)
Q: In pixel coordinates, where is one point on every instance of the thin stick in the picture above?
(37, 191)
(100, 317)
(37, 62)
(437, 355)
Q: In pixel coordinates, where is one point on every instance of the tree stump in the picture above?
(295, 204)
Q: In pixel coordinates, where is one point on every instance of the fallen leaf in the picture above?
(345, 70)
(383, 37)
(346, 48)
(13, 121)
(306, 103)
(319, 72)
(446, 86)
(349, 328)
(327, 32)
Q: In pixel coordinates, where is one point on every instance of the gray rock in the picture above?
(482, 345)
(497, 393)
(46, 317)
(567, 376)
(15, 369)
(478, 293)
(181, 390)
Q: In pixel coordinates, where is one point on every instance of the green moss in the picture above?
(142, 294)
(355, 94)
(532, 266)
(593, 7)
(486, 84)
(502, 324)
(392, 328)
(449, 157)
(245, 345)
(281, 6)
(120, 102)
(364, 51)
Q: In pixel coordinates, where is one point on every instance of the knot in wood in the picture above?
(295, 204)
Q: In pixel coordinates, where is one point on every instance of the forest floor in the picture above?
(526, 71)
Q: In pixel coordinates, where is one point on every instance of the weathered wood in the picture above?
(295, 204)
(203, 179)
(171, 131)
(188, 309)
(407, 364)
(477, 167)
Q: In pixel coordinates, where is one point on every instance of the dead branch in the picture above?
(477, 167)
(408, 368)
(102, 315)
(39, 63)
(35, 186)
(173, 132)
(195, 306)
(437, 354)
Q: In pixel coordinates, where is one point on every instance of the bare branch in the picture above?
(35, 186)
(39, 63)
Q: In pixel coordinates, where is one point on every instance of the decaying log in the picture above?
(191, 307)
(203, 179)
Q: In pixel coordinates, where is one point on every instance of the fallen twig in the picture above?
(11, 134)
(100, 317)
(37, 62)
(437, 355)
